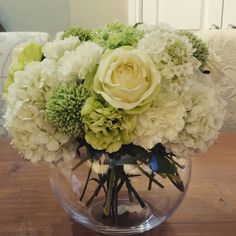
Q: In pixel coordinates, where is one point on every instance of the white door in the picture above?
(229, 14)
(183, 14)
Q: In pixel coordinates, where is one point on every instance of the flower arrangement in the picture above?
(140, 96)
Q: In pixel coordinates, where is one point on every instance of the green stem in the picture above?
(150, 181)
(80, 163)
(86, 183)
(97, 190)
(150, 176)
(115, 203)
(131, 188)
(107, 207)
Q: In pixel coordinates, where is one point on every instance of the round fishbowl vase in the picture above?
(120, 199)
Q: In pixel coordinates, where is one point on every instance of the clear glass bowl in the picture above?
(160, 203)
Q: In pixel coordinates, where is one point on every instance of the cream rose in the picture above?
(127, 78)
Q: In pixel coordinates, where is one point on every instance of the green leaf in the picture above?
(165, 165)
(81, 162)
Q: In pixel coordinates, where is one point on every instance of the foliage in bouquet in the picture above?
(138, 95)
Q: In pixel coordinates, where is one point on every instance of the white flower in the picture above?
(172, 53)
(25, 115)
(161, 28)
(58, 47)
(78, 63)
(204, 117)
(127, 78)
(216, 65)
(162, 122)
(59, 35)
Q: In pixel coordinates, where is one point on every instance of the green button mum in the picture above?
(64, 106)
(106, 128)
(83, 34)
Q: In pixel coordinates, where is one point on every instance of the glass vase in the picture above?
(139, 201)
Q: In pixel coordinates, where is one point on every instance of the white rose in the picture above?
(127, 78)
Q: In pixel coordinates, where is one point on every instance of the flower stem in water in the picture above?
(107, 207)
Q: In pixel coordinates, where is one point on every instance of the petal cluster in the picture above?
(112, 87)
(26, 118)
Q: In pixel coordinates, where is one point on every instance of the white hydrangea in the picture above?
(25, 115)
(204, 117)
(56, 49)
(172, 53)
(162, 122)
(161, 28)
(80, 62)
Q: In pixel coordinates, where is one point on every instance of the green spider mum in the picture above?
(83, 34)
(201, 52)
(117, 34)
(64, 106)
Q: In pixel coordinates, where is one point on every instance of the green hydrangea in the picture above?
(83, 34)
(105, 126)
(64, 106)
(23, 54)
(201, 52)
(117, 34)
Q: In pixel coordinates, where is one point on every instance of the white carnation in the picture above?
(58, 47)
(25, 116)
(78, 63)
(162, 122)
(204, 117)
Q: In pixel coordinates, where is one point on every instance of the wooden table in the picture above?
(28, 208)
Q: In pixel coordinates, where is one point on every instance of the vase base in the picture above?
(131, 218)
(130, 214)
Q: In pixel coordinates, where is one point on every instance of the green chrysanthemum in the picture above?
(201, 52)
(105, 126)
(117, 34)
(83, 34)
(64, 106)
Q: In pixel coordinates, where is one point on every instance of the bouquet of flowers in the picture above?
(140, 96)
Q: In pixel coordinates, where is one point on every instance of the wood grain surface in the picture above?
(28, 208)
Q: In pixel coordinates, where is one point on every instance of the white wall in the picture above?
(55, 15)
(94, 13)
(35, 15)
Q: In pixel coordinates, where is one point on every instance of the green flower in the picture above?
(23, 54)
(64, 106)
(201, 52)
(116, 34)
(177, 52)
(83, 34)
(105, 126)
